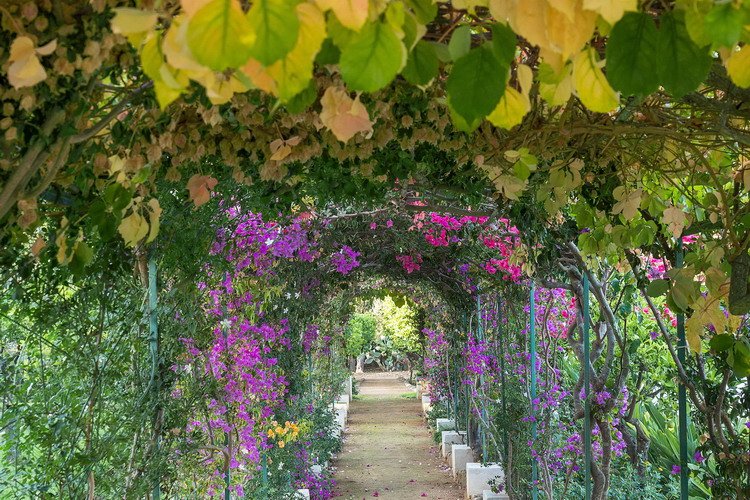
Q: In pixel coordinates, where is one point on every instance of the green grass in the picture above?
(409, 395)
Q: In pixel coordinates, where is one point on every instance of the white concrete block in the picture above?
(461, 454)
(445, 424)
(426, 403)
(302, 494)
(348, 388)
(341, 416)
(341, 407)
(450, 438)
(490, 495)
(343, 398)
(478, 477)
(317, 469)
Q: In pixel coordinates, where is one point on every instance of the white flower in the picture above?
(296, 295)
(226, 324)
(288, 295)
(269, 242)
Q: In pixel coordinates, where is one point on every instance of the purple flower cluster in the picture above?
(345, 260)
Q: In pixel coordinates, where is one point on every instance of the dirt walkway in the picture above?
(388, 450)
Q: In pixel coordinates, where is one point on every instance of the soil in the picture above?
(388, 449)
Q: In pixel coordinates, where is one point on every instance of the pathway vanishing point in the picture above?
(388, 449)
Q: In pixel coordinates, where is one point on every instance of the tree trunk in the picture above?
(360, 363)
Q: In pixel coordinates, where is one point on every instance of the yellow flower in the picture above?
(279, 430)
(270, 433)
(281, 444)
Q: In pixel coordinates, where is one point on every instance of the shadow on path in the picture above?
(388, 450)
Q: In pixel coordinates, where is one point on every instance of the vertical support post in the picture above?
(532, 370)
(263, 471)
(587, 389)
(227, 476)
(681, 393)
(480, 337)
(153, 321)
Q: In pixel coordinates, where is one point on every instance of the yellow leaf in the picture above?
(154, 215)
(133, 228)
(738, 67)
(591, 85)
(47, 49)
(130, 21)
(281, 153)
(509, 186)
(293, 73)
(176, 50)
(555, 89)
(200, 187)
(222, 89)
(351, 13)
(527, 18)
(525, 77)
(627, 202)
(511, 109)
(342, 115)
(706, 311)
(190, 7)
(675, 219)
(25, 69)
(62, 248)
(693, 331)
(567, 35)
(611, 10)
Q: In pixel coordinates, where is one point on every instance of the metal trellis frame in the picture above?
(587, 389)
(532, 370)
(682, 393)
(154, 348)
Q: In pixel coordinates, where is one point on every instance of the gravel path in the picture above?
(388, 450)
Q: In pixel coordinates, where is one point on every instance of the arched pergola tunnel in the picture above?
(493, 342)
(238, 355)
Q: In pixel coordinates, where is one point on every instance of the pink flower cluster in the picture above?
(410, 263)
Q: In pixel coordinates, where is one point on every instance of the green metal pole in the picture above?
(154, 347)
(587, 389)
(681, 394)
(532, 369)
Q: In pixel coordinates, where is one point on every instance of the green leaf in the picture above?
(521, 170)
(422, 65)
(303, 100)
(81, 258)
(633, 346)
(723, 24)
(721, 342)
(276, 29)
(476, 83)
(681, 63)
(632, 53)
(425, 10)
(504, 42)
(657, 288)
(328, 54)
(460, 42)
(442, 52)
(373, 58)
(220, 36)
